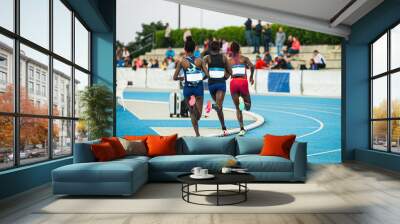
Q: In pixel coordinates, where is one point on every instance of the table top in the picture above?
(220, 178)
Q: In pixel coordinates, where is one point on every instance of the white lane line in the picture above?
(321, 124)
(307, 106)
(306, 109)
(259, 119)
(320, 153)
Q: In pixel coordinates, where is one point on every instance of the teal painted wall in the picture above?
(100, 16)
(356, 81)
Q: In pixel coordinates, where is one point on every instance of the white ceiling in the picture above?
(314, 15)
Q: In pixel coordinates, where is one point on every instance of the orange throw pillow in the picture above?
(103, 152)
(116, 145)
(277, 145)
(161, 145)
(135, 138)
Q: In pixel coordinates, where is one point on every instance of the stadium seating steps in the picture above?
(332, 54)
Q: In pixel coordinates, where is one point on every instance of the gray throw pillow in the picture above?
(136, 148)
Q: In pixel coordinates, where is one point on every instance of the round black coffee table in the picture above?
(238, 179)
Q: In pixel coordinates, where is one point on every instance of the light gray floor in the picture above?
(378, 189)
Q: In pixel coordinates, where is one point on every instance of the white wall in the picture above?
(324, 83)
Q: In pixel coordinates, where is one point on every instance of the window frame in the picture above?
(388, 74)
(16, 114)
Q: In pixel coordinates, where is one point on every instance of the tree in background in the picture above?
(34, 131)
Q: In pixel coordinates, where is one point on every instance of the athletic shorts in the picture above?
(217, 86)
(197, 90)
(239, 86)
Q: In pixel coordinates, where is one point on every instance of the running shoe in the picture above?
(192, 100)
(214, 106)
(208, 109)
(242, 132)
(225, 133)
(241, 103)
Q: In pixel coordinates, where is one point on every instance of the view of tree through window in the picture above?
(43, 112)
(385, 92)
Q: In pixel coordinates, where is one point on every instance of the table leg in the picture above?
(217, 194)
(245, 193)
(195, 188)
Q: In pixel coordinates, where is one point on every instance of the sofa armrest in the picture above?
(298, 155)
(83, 152)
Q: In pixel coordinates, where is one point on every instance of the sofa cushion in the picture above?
(116, 145)
(112, 171)
(248, 145)
(134, 147)
(185, 163)
(277, 145)
(161, 145)
(103, 152)
(206, 145)
(257, 163)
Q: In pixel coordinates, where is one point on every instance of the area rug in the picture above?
(167, 198)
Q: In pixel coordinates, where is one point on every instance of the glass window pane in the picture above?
(62, 29)
(62, 89)
(395, 47)
(6, 142)
(33, 140)
(7, 14)
(395, 136)
(379, 97)
(62, 138)
(35, 21)
(81, 82)
(34, 72)
(81, 131)
(6, 74)
(379, 135)
(81, 45)
(395, 94)
(379, 55)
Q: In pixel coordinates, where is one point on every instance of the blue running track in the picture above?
(314, 120)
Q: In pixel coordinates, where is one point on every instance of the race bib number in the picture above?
(238, 71)
(194, 77)
(216, 74)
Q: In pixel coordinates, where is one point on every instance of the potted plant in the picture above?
(96, 102)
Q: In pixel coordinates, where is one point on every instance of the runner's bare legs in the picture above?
(195, 113)
(219, 100)
(239, 114)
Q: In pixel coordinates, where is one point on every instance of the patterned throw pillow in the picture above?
(135, 147)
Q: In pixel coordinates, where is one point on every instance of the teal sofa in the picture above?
(125, 176)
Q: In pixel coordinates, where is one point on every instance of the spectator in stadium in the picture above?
(126, 55)
(260, 63)
(280, 39)
(281, 62)
(225, 46)
(170, 53)
(167, 35)
(313, 66)
(139, 63)
(248, 32)
(171, 63)
(164, 64)
(197, 52)
(288, 43)
(295, 47)
(267, 37)
(155, 64)
(257, 37)
(319, 60)
(187, 34)
(145, 63)
(267, 58)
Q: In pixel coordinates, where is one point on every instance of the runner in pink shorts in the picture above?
(239, 86)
